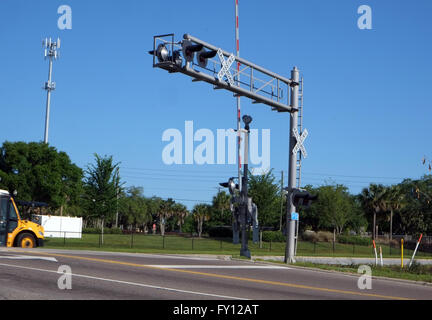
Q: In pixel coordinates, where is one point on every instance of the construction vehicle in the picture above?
(15, 232)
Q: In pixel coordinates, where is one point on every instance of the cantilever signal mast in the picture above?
(51, 53)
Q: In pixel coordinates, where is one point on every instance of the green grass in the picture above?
(416, 272)
(176, 244)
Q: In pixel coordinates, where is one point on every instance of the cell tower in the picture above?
(51, 53)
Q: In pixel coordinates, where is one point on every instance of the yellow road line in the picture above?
(284, 284)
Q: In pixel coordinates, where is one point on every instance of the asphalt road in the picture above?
(43, 274)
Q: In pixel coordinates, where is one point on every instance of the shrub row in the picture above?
(423, 247)
(320, 236)
(99, 230)
(273, 236)
(220, 232)
(325, 236)
(356, 240)
(226, 232)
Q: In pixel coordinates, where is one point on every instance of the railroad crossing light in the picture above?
(189, 49)
(231, 185)
(203, 56)
(301, 197)
(162, 53)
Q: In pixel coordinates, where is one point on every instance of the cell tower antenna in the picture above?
(50, 52)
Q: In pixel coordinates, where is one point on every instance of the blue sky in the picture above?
(367, 92)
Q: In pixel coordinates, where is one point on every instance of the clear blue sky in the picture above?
(367, 92)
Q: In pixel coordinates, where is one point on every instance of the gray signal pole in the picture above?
(292, 171)
(281, 205)
(244, 191)
(50, 52)
(237, 40)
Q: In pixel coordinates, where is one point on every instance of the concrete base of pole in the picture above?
(290, 249)
(245, 253)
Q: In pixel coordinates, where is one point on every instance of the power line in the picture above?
(178, 189)
(172, 179)
(192, 200)
(228, 171)
(176, 175)
(348, 176)
(178, 170)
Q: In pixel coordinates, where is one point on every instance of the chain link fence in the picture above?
(172, 243)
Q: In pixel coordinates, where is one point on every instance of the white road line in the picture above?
(138, 255)
(203, 266)
(21, 257)
(130, 283)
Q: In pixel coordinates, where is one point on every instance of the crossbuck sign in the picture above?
(226, 65)
(300, 140)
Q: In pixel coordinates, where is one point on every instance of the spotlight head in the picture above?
(162, 53)
(231, 185)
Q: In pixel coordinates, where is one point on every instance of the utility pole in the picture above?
(50, 52)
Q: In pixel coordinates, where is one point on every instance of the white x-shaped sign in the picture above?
(300, 140)
(226, 65)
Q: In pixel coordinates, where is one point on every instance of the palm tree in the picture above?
(201, 212)
(165, 211)
(393, 200)
(181, 212)
(372, 199)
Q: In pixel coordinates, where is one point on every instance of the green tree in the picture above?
(266, 195)
(101, 185)
(134, 208)
(39, 172)
(357, 221)
(335, 206)
(221, 206)
(416, 214)
(335, 209)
